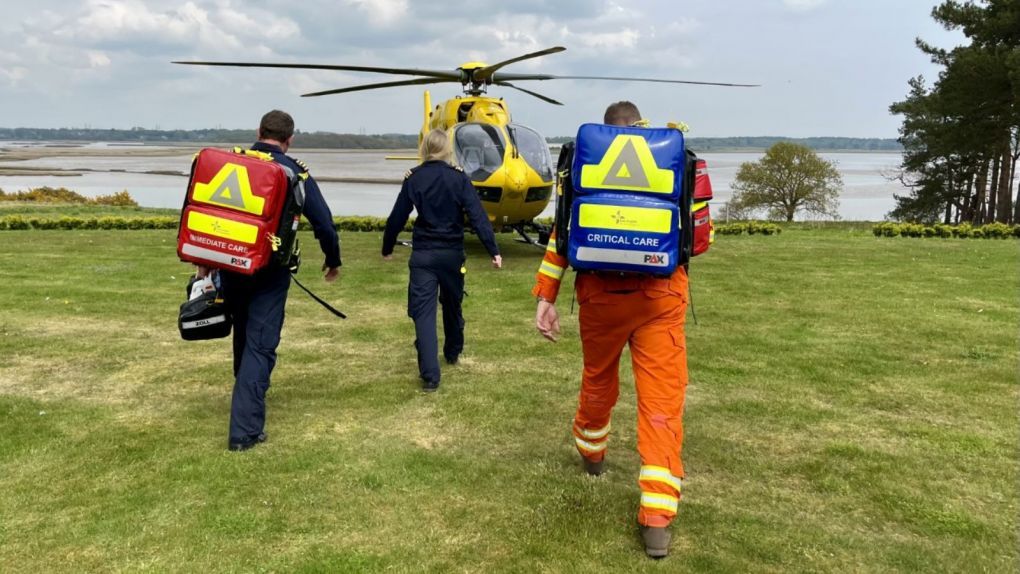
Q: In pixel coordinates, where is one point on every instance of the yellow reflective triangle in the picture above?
(629, 166)
(219, 190)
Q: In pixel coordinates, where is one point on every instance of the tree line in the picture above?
(330, 140)
(961, 135)
(143, 135)
(756, 143)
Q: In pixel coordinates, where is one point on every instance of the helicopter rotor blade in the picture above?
(530, 93)
(488, 71)
(445, 74)
(416, 82)
(522, 77)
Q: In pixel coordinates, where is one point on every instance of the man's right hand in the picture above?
(332, 274)
(547, 320)
(201, 271)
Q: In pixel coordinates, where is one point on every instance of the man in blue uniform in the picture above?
(442, 195)
(257, 302)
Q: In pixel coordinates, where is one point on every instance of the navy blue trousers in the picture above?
(436, 272)
(256, 304)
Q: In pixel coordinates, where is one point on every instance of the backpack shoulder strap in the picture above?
(564, 196)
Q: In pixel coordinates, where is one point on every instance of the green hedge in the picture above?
(349, 223)
(963, 230)
(64, 195)
(749, 227)
(18, 222)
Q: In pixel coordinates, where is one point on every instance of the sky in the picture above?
(826, 67)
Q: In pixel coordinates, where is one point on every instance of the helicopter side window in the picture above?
(534, 150)
(479, 149)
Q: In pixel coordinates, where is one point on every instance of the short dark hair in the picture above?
(276, 125)
(622, 114)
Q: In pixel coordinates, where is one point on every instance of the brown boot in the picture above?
(656, 539)
(594, 468)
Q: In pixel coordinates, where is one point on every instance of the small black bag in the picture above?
(203, 316)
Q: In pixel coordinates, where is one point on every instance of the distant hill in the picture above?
(815, 143)
(398, 141)
(141, 135)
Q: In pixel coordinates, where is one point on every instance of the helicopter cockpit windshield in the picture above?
(534, 149)
(479, 149)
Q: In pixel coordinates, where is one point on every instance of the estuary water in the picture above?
(102, 169)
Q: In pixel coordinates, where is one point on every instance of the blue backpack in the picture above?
(628, 199)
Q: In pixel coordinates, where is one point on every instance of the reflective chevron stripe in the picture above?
(660, 474)
(589, 447)
(593, 434)
(659, 501)
(552, 270)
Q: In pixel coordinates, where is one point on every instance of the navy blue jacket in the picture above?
(314, 209)
(442, 194)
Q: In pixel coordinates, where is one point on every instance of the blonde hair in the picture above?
(436, 146)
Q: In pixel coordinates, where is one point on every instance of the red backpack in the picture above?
(241, 213)
(704, 231)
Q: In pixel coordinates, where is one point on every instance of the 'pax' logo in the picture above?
(655, 259)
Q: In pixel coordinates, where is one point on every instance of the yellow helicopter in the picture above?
(509, 164)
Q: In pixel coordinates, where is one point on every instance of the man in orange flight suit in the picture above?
(648, 313)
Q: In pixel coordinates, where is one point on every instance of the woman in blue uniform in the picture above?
(442, 195)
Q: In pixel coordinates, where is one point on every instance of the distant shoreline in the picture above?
(373, 142)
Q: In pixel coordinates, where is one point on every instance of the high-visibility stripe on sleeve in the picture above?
(660, 474)
(551, 269)
(699, 205)
(551, 246)
(659, 501)
(589, 447)
(593, 434)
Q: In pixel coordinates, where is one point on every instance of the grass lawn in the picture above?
(852, 408)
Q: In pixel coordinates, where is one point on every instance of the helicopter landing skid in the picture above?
(543, 235)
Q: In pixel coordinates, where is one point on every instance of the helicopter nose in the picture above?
(516, 178)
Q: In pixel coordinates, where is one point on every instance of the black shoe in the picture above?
(656, 539)
(452, 360)
(594, 468)
(430, 386)
(245, 445)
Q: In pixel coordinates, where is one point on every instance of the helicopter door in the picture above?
(479, 149)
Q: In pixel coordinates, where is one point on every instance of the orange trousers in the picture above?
(652, 322)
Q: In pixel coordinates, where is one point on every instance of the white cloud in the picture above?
(616, 40)
(803, 5)
(381, 12)
(135, 25)
(61, 59)
(98, 60)
(106, 20)
(13, 75)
